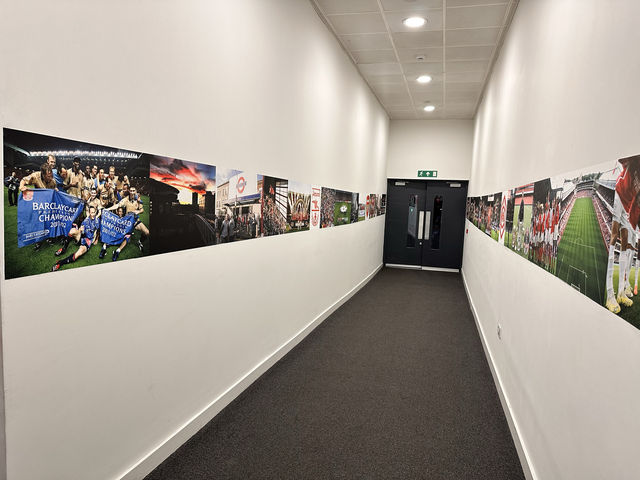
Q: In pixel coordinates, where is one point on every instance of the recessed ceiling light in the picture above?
(429, 108)
(414, 22)
(423, 79)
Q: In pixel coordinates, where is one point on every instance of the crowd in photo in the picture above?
(274, 222)
(327, 206)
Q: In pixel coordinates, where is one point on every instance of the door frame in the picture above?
(463, 184)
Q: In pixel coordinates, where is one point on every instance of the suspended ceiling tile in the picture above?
(467, 66)
(472, 36)
(479, 52)
(464, 87)
(462, 96)
(402, 116)
(433, 88)
(433, 17)
(348, 6)
(385, 79)
(410, 5)
(476, 17)
(421, 101)
(471, 3)
(395, 98)
(380, 68)
(357, 23)
(431, 54)
(374, 56)
(432, 69)
(466, 77)
(400, 110)
(418, 39)
(390, 88)
(460, 108)
(366, 41)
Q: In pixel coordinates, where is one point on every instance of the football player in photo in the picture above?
(86, 234)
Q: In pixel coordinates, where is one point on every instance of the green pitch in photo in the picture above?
(582, 255)
(20, 262)
(341, 213)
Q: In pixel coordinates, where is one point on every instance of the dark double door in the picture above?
(425, 223)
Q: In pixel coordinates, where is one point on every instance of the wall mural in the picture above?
(69, 204)
(581, 226)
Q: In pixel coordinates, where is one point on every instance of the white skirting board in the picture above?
(523, 454)
(147, 464)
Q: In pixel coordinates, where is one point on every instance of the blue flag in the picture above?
(113, 228)
(44, 213)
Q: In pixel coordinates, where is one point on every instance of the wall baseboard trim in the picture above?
(160, 453)
(521, 448)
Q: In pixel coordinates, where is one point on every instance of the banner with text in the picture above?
(44, 213)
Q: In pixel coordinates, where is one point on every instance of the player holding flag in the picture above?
(87, 235)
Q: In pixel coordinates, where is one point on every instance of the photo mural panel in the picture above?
(327, 204)
(354, 207)
(183, 197)
(316, 204)
(238, 205)
(274, 200)
(342, 208)
(70, 203)
(372, 201)
(494, 218)
(55, 192)
(298, 207)
(581, 226)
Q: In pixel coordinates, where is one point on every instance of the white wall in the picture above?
(442, 145)
(263, 86)
(563, 95)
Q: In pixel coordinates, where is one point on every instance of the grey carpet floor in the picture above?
(393, 385)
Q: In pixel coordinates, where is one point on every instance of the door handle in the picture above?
(427, 225)
(420, 224)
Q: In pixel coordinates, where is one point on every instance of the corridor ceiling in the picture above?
(456, 47)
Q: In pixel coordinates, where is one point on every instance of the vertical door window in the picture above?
(412, 224)
(437, 222)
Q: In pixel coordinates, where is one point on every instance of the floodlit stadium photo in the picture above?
(53, 185)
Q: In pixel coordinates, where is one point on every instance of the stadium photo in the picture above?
(518, 220)
(582, 248)
(183, 197)
(298, 206)
(599, 236)
(494, 221)
(342, 208)
(69, 204)
(274, 205)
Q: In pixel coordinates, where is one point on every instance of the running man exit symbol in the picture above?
(428, 173)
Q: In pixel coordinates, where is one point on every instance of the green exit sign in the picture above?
(428, 173)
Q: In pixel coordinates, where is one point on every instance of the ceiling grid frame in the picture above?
(459, 72)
